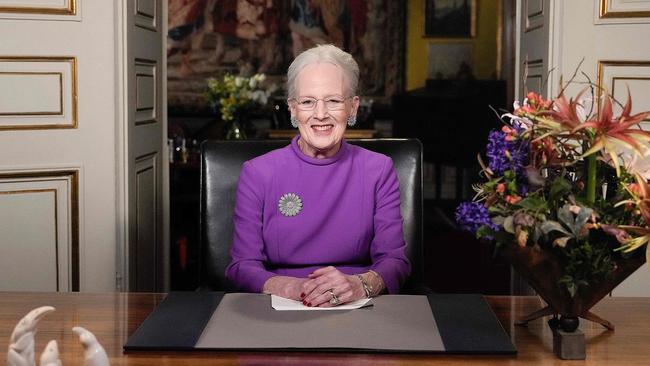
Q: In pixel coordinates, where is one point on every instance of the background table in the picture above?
(112, 317)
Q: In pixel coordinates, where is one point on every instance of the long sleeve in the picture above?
(387, 249)
(246, 269)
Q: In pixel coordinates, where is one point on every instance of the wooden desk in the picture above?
(113, 316)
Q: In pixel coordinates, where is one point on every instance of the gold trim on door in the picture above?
(40, 113)
(73, 79)
(71, 9)
(73, 176)
(604, 12)
(56, 223)
(599, 77)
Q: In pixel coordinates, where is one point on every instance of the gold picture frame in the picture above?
(450, 18)
(605, 13)
(70, 9)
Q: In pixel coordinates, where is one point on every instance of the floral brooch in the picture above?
(290, 204)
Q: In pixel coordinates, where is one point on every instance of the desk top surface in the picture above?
(112, 317)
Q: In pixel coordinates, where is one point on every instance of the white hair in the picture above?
(321, 54)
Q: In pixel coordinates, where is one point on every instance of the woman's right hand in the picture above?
(284, 286)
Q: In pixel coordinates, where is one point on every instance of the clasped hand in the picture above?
(315, 290)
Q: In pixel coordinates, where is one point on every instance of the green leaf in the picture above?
(533, 203)
(508, 224)
(570, 284)
(572, 288)
(559, 187)
(497, 209)
(565, 215)
(498, 220)
(485, 231)
(550, 226)
(512, 186)
(583, 216)
(537, 233)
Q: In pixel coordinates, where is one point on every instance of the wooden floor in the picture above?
(112, 317)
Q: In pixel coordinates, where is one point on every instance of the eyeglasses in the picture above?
(332, 103)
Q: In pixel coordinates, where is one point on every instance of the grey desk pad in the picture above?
(465, 323)
(393, 323)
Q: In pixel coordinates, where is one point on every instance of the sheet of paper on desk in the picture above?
(280, 303)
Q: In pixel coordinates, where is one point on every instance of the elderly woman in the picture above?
(319, 220)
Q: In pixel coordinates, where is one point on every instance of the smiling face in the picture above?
(321, 129)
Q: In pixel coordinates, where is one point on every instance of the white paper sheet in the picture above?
(280, 303)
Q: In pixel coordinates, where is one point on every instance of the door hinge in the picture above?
(118, 281)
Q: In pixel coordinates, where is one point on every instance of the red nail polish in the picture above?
(308, 304)
(302, 294)
(304, 302)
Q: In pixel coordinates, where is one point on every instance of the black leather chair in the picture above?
(221, 163)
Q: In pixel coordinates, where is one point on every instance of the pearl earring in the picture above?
(294, 122)
(352, 120)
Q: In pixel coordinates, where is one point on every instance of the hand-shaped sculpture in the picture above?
(21, 343)
(50, 356)
(94, 353)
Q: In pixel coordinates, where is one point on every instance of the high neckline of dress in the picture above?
(324, 161)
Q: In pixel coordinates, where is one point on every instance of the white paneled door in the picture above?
(71, 156)
(144, 252)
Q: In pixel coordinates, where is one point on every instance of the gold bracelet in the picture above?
(380, 283)
(366, 289)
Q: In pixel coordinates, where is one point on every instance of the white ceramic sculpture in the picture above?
(50, 356)
(21, 344)
(94, 353)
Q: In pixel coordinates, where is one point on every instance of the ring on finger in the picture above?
(334, 299)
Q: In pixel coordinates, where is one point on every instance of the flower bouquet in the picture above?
(233, 95)
(566, 199)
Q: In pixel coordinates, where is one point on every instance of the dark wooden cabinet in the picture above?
(184, 207)
(453, 119)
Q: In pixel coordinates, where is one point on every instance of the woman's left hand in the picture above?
(316, 289)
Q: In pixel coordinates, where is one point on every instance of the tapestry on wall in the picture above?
(208, 38)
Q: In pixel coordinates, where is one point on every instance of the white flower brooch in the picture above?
(290, 204)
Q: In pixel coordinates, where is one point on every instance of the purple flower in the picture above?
(506, 155)
(472, 215)
(522, 187)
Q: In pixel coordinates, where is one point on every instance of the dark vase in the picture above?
(235, 130)
(542, 270)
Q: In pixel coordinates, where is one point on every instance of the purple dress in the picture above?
(350, 217)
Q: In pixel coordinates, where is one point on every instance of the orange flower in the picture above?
(513, 199)
(642, 202)
(634, 188)
(501, 187)
(537, 101)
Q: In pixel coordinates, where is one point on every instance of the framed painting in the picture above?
(208, 38)
(450, 18)
(450, 61)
